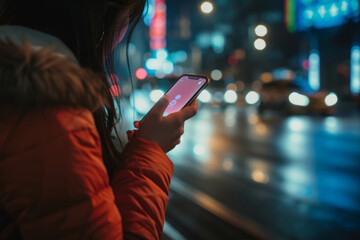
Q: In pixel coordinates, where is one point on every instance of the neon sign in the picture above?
(304, 14)
(158, 26)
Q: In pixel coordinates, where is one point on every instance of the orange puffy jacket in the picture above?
(54, 185)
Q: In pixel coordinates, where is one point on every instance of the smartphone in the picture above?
(184, 91)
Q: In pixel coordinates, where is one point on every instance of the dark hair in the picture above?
(87, 27)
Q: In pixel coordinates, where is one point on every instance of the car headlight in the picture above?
(252, 97)
(299, 99)
(331, 99)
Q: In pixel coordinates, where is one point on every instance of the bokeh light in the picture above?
(230, 96)
(205, 96)
(240, 85)
(153, 64)
(232, 60)
(218, 96)
(239, 54)
(227, 164)
(162, 54)
(140, 102)
(216, 75)
(306, 64)
(141, 74)
(207, 7)
(199, 150)
(299, 99)
(167, 67)
(260, 44)
(231, 86)
(155, 95)
(331, 99)
(261, 30)
(252, 97)
(266, 77)
(259, 176)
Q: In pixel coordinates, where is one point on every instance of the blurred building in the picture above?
(311, 42)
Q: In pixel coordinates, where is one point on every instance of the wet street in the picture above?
(239, 175)
(273, 152)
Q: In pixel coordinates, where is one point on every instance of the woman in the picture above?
(61, 176)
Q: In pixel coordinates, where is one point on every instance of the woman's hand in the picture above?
(165, 131)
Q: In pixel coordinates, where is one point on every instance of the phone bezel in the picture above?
(207, 82)
(197, 93)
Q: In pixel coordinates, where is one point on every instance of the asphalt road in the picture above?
(239, 175)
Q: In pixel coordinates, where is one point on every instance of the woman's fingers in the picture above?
(165, 131)
(136, 124)
(172, 145)
(158, 110)
(177, 142)
(131, 134)
(189, 111)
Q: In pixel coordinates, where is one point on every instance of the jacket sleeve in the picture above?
(141, 189)
(59, 189)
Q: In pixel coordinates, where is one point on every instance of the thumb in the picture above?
(131, 134)
(159, 108)
(136, 124)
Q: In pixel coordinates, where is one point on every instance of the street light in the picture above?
(260, 44)
(216, 74)
(261, 30)
(207, 7)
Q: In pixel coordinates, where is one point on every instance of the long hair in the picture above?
(89, 28)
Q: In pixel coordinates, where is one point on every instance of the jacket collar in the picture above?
(37, 39)
(31, 76)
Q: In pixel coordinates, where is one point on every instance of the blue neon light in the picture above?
(355, 70)
(324, 14)
(314, 71)
(149, 12)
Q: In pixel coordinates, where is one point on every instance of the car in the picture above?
(283, 96)
(274, 96)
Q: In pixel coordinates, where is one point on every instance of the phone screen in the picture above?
(183, 91)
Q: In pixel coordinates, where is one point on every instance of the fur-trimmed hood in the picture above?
(38, 70)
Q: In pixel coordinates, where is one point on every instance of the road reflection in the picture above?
(306, 166)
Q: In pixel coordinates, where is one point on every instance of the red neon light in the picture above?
(232, 60)
(158, 26)
(141, 74)
(306, 64)
(114, 85)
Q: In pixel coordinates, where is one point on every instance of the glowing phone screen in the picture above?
(182, 91)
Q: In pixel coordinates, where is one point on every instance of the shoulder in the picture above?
(52, 170)
(39, 77)
(60, 122)
(66, 119)
(38, 128)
